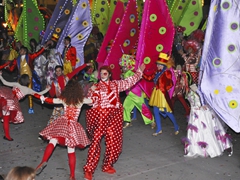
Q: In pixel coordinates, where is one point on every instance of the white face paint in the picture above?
(104, 75)
(104, 79)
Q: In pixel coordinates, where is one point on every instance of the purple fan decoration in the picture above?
(220, 62)
(218, 134)
(228, 136)
(78, 27)
(204, 125)
(202, 144)
(192, 127)
(195, 115)
(186, 141)
(59, 19)
(225, 137)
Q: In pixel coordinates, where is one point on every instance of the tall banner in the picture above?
(220, 64)
(112, 6)
(140, 5)
(58, 20)
(125, 40)
(187, 13)
(78, 28)
(100, 14)
(111, 32)
(156, 35)
(30, 24)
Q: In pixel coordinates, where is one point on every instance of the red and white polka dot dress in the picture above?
(9, 101)
(67, 130)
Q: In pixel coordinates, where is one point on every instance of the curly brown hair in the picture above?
(72, 93)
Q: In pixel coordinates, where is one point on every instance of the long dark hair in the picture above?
(72, 93)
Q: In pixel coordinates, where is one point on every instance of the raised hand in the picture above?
(142, 67)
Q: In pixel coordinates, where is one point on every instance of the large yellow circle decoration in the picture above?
(58, 30)
(229, 89)
(84, 5)
(80, 36)
(233, 104)
(85, 23)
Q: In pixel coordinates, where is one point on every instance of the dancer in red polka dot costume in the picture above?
(105, 119)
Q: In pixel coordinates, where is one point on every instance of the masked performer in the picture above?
(105, 119)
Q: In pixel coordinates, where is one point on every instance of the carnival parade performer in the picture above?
(206, 135)
(69, 56)
(192, 58)
(135, 96)
(58, 85)
(181, 89)
(105, 119)
(24, 63)
(38, 66)
(160, 99)
(9, 101)
(65, 130)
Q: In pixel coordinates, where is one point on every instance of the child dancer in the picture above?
(10, 109)
(65, 130)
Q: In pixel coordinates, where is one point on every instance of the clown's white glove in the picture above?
(42, 98)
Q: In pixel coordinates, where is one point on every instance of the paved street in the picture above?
(144, 157)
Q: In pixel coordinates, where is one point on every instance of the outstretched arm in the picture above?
(47, 99)
(41, 93)
(123, 85)
(75, 71)
(6, 83)
(12, 66)
(4, 65)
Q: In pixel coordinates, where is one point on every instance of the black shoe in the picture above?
(4, 137)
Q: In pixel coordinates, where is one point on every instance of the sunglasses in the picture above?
(105, 73)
